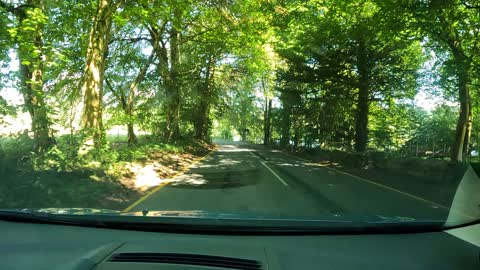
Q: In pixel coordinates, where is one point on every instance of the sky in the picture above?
(428, 101)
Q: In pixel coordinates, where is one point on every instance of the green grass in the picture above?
(117, 138)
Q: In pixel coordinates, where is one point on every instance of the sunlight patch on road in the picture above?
(189, 179)
(146, 176)
(288, 164)
(229, 161)
(233, 150)
(204, 166)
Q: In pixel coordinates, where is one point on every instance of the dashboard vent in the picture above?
(189, 259)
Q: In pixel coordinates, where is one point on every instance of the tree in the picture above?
(129, 68)
(95, 64)
(452, 26)
(28, 36)
(350, 50)
(165, 31)
(127, 95)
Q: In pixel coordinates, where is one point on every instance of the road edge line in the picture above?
(373, 183)
(271, 170)
(161, 185)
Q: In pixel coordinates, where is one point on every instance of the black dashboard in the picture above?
(45, 246)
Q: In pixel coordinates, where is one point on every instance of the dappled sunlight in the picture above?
(301, 108)
(313, 164)
(203, 166)
(234, 149)
(189, 179)
(216, 179)
(229, 161)
(146, 176)
(288, 164)
(160, 168)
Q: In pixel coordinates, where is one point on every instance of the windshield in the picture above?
(331, 113)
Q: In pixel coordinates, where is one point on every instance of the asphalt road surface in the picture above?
(243, 178)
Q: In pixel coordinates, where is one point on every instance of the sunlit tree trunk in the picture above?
(30, 54)
(464, 123)
(361, 121)
(94, 73)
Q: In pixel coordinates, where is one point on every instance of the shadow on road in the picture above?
(217, 180)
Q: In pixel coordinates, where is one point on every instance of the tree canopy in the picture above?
(301, 74)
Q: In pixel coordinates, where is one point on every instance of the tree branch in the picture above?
(192, 37)
(133, 40)
(118, 95)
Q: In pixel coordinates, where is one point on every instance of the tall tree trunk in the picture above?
(286, 119)
(173, 83)
(95, 71)
(243, 134)
(30, 54)
(361, 121)
(169, 69)
(203, 123)
(267, 121)
(266, 115)
(468, 133)
(296, 132)
(132, 138)
(286, 98)
(172, 131)
(130, 100)
(464, 124)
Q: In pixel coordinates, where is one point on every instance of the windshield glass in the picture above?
(318, 112)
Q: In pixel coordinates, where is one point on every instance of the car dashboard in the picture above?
(47, 246)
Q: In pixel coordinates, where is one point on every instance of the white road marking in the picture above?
(432, 204)
(376, 184)
(272, 171)
(392, 189)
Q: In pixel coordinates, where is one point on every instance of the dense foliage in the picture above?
(331, 74)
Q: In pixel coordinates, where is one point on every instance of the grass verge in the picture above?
(111, 185)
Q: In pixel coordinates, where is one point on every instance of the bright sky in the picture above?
(428, 101)
(10, 93)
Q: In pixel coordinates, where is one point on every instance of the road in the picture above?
(242, 178)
